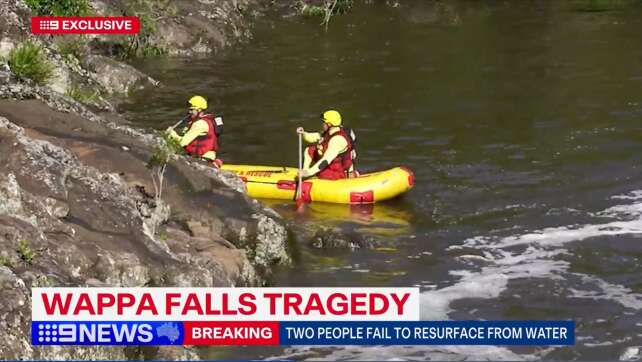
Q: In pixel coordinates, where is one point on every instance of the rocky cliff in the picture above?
(77, 204)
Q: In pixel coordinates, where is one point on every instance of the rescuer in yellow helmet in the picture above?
(202, 133)
(333, 153)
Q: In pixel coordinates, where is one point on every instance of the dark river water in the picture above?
(523, 124)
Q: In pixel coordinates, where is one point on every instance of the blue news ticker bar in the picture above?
(319, 333)
(428, 333)
(106, 333)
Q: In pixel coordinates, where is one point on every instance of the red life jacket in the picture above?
(205, 143)
(340, 166)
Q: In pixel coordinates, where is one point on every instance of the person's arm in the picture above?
(335, 147)
(209, 155)
(173, 135)
(311, 137)
(198, 128)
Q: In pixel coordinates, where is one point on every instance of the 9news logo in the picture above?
(85, 25)
(106, 333)
(52, 333)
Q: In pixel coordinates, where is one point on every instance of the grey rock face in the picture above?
(74, 205)
(117, 77)
(326, 238)
(5, 76)
(65, 222)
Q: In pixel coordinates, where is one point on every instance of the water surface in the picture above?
(521, 121)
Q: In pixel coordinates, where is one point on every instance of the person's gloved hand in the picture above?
(303, 173)
(300, 130)
(170, 132)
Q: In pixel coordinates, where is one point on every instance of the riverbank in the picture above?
(77, 204)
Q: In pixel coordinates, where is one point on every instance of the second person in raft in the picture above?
(202, 134)
(333, 153)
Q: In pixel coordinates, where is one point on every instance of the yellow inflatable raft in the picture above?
(272, 182)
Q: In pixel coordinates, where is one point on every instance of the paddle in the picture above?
(180, 121)
(299, 199)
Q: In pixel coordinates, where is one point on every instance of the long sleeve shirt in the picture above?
(336, 146)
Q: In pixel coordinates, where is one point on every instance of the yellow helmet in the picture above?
(332, 117)
(197, 102)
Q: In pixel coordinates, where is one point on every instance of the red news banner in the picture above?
(264, 316)
(207, 316)
(85, 24)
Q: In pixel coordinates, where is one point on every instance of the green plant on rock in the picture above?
(82, 94)
(72, 47)
(140, 45)
(159, 158)
(59, 7)
(313, 10)
(324, 8)
(157, 163)
(5, 261)
(173, 144)
(149, 13)
(27, 61)
(162, 153)
(25, 252)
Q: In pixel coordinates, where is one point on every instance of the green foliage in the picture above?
(157, 164)
(27, 61)
(174, 145)
(82, 94)
(149, 12)
(159, 158)
(5, 261)
(73, 47)
(140, 45)
(25, 252)
(59, 7)
(163, 152)
(313, 11)
(324, 8)
(342, 6)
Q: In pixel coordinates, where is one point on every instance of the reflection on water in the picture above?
(383, 219)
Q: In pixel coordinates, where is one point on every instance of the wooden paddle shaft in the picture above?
(300, 163)
(179, 122)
